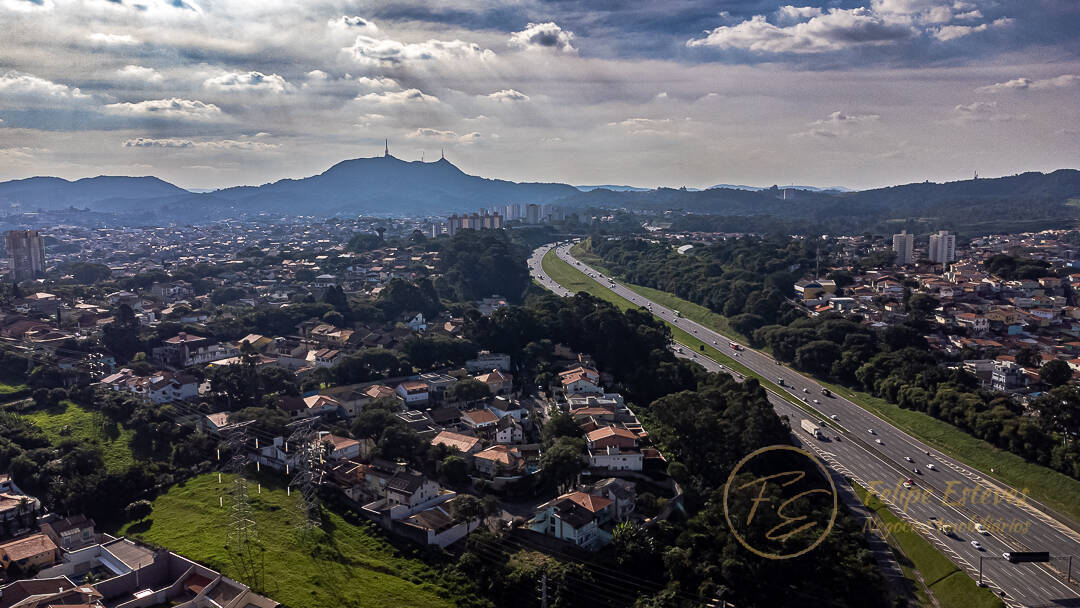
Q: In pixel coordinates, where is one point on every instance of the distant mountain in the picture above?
(384, 185)
(756, 188)
(613, 188)
(56, 193)
(390, 186)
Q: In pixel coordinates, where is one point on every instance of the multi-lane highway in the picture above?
(876, 454)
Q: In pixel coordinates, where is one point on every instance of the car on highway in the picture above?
(871, 431)
(931, 467)
(878, 440)
(977, 545)
(916, 470)
(909, 459)
(908, 485)
(806, 390)
(834, 417)
(981, 529)
(817, 402)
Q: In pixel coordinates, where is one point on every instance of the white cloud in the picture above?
(445, 136)
(378, 83)
(384, 51)
(794, 14)
(544, 36)
(837, 29)
(30, 90)
(139, 73)
(1023, 84)
(984, 111)
(353, 23)
(249, 81)
(112, 39)
(952, 32)
(838, 124)
(175, 108)
(224, 144)
(508, 95)
(408, 96)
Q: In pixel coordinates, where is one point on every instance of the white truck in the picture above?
(811, 428)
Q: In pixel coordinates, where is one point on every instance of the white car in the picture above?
(977, 545)
(817, 402)
(909, 459)
(931, 467)
(871, 431)
(806, 390)
(834, 417)
(878, 440)
(981, 529)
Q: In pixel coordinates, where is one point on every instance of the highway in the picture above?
(880, 460)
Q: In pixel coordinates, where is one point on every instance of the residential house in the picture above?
(574, 518)
(33, 551)
(614, 448)
(413, 391)
(1007, 376)
(509, 430)
(498, 382)
(321, 405)
(480, 421)
(436, 526)
(344, 448)
(499, 461)
(70, 533)
(465, 444)
(17, 511)
(486, 360)
(159, 387)
(621, 492)
(324, 357)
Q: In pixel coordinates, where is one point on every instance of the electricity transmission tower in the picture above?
(304, 443)
(242, 533)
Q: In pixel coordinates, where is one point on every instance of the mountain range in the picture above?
(390, 186)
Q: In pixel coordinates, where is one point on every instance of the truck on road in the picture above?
(811, 428)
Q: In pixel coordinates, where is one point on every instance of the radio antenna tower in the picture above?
(242, 535)
(304, 443)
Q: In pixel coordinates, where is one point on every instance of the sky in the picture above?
(854, 93)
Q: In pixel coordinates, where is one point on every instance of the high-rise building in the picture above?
(942, 247)
(903, 245)
(532, 214)
(26, 249)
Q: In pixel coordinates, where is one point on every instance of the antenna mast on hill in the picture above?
(442, 153)
(386, 148)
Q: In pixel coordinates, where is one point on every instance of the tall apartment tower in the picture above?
(903, 245)
(532, 214)
(26, 249)
(942, 247)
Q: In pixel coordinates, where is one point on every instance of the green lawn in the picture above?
(344, 564)
(1056, 490)
(71, 421)
(951, 586)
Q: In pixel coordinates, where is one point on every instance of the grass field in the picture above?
(1057, 491)
(344, 564)
(71, 421)
(951, 587)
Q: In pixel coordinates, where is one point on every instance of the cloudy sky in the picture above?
(859, 93)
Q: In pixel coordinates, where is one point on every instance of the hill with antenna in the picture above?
(390, 185)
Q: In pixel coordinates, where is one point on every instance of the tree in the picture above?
(139, 510)
(467, 390)
(1055, 373)
(334, 318)
(467, 508)
(564, 460)
(559, 424)
(454, 469)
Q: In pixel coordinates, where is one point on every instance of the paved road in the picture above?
(880, 460)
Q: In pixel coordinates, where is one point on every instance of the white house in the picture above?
(413, 391)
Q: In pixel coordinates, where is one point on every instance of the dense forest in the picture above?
(893, 363)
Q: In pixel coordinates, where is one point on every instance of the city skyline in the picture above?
(854, 93)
